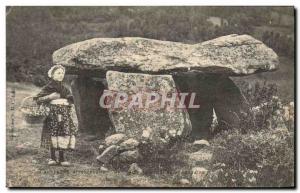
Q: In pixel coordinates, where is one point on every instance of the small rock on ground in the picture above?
(104, 169)
(201, 143)
(129, 156)
(108, 154)
(129, 144)
(135, 169)
(114, 139)
(184, 182)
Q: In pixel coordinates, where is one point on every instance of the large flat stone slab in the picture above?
(234, 55)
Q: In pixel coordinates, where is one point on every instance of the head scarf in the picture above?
(53, 69)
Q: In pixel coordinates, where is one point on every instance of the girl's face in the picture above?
(58, 74)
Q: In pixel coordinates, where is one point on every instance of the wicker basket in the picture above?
(32, 112)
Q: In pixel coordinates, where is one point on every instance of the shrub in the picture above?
(260, 153)
(266, 110)
(260, 159)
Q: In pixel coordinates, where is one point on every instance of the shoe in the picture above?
(52, 162)
(65, 164)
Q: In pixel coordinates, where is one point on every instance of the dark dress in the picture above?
(59, 130)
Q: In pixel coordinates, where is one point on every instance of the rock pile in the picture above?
(120, 148)
(199, 159)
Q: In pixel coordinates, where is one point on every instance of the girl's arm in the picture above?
(48, 98)
(47, 93)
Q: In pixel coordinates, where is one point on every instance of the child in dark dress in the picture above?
(59, 129)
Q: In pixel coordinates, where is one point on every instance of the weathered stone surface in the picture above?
(129, 144)
(154, 123)
(231, 55)
(129, 156)
(114, 139)
(147, 134)
(108, 154)
(184, 182)
(135, 169)
(198, 174)
(201, 143)
(229, 103)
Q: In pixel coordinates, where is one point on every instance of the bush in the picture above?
(266, 110)
(256, 159)
(260, 153)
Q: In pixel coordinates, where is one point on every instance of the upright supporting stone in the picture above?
(229, 103)
(159, 124)
(92, 118)
(212, 92)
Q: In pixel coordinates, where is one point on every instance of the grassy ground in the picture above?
(27, 163)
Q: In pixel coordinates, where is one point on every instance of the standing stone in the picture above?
(213, 92)
(154, 123)
(229, 103)
(92, 118)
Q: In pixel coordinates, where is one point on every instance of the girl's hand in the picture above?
(49, 97)
(60, 101)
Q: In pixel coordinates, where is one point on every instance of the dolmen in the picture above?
(101, 65)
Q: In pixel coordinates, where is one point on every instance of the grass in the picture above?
(26, 164)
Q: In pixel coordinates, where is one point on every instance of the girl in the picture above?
(59, 129)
